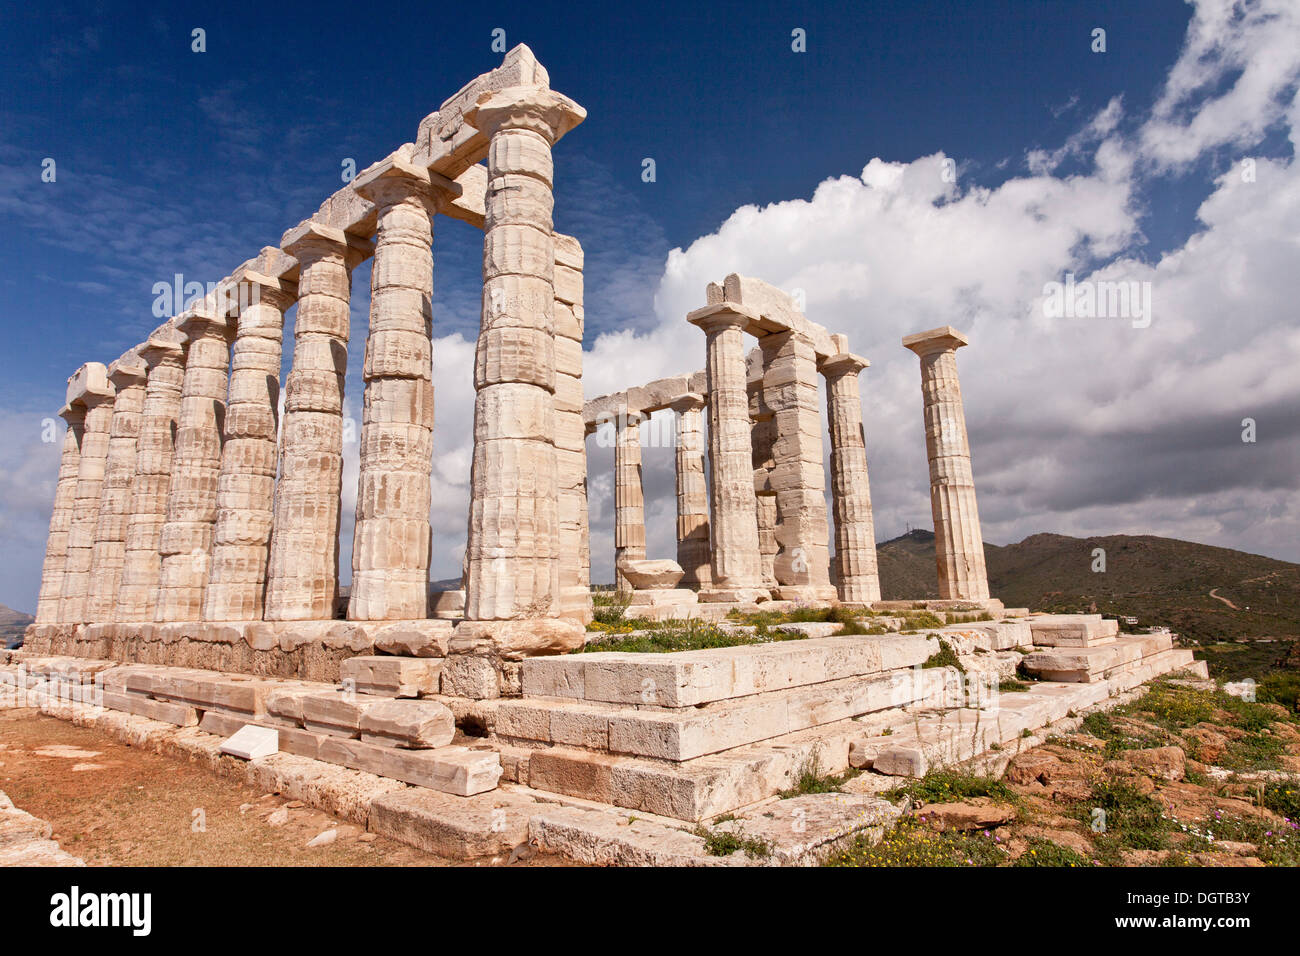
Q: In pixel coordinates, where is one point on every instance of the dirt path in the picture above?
(1223, 599)
(113, 805)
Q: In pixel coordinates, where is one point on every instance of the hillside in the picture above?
(12, 624)
(1158, 580)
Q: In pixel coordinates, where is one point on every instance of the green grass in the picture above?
(910, 843)
(666, 637)
(1132, 819)
(727, 842)
(945, 656)
(948, 786)
(810, 779)
(1046, 853)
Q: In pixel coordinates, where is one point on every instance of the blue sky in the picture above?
(171, 161)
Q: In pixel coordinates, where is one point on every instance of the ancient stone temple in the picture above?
(192, 588)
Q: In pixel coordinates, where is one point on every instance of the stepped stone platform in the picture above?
(617, 757)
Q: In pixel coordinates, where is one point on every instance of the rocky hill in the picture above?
(12, 624)
(1203, 592)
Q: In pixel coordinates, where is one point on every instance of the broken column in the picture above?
(65, 496)
(164, 357)
(629, 496)
(302, 572)
(857, 575)
(185, 542)
(390, 546)
(512, 553)
(90, 388)
(798, 477)
(737, 569)
(246, 484)
(692, 492)
(127, 375)
(570, 437)
(959, 545)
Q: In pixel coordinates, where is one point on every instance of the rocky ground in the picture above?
(1184, 776)
(114, 805)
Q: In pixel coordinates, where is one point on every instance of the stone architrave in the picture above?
(390, 546)
(513, 548)
(736, 560)
(185, 542)
(629, 496)
(90, 388)
(570, 435)
(856, 574)
(128, 375)
(692, 492)
(958, 542)
(246, 484)
(65, 496)
(164, 356)
(302, 573)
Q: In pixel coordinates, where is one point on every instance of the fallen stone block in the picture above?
(415, 724)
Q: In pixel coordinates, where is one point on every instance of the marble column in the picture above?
(737, 564)
(856, 573)
(513, 548)
(798, 476)
(302, 574)
(90, 388)
(164, 356)
(959, 545)
(65, 496)
(762, 437)
(692, 492)
(109, 554)
(241, 537)
(391, 542)
(185, 542)
(629, 496)
(570, 438)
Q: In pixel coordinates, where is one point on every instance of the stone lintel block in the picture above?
(518, 639)
(389, 676)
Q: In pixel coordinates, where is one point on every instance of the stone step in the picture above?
(991, 635)
(705, 787)
(1072, 630)
(456, 770)
(1086, 664)
(690, 678)
(685, 733)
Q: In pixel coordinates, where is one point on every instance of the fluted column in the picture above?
(856, 572)
(65, 496)
(736, 560)
(798, 477)
(570, 438)
(692, 492)
(109, 554)
(302, 576)
(241, 536)
(185, 542)
(629, 495)
(959, 545)
(164, 356)
(513, 547)
(390, 546)
(90, 388)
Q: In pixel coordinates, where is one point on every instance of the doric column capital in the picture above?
(846, 363)
(310, 241)
(200, 320)
(89, 386)
(723, 316)
(535, 108)
(394, 180)
(73, 414)
(943, 339)
(257, 287)
(128, 370)
(163, 342)
(690, 402)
